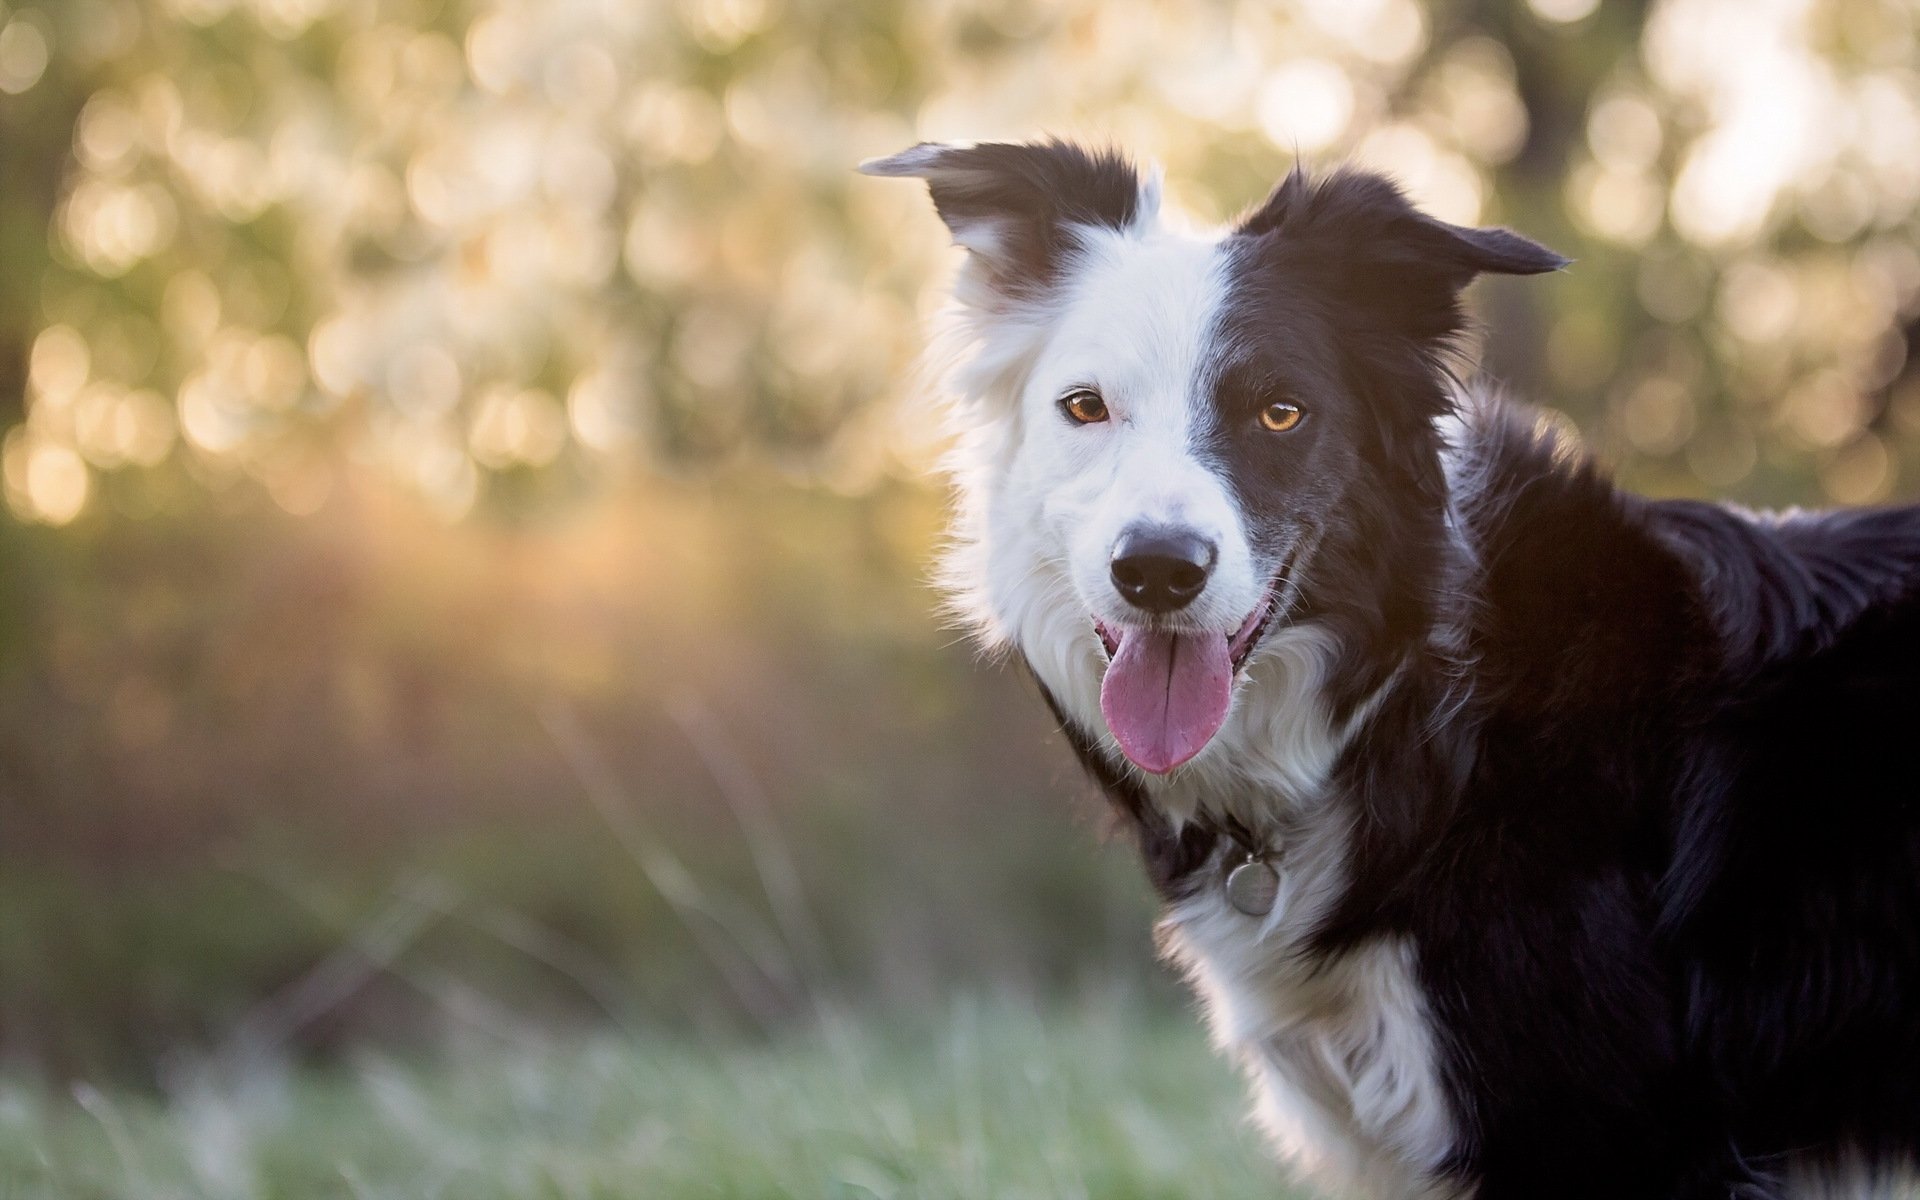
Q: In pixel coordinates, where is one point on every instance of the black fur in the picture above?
(1670, 919)
(1649, 813)
(1345, 299)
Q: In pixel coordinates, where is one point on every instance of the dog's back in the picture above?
(1699, 724)
(1794, 895)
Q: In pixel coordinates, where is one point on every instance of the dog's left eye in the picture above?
(1084, 406)
(1281, 416)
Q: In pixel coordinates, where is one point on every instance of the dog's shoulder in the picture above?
(1576, 593)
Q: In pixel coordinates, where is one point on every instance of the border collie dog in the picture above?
(1524, 838)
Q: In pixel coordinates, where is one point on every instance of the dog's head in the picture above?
(1174, 444)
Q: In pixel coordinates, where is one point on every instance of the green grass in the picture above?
(991, 1100)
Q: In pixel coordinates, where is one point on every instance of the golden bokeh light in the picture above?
(24, 52)
(605, 410)
(1306, 104)
(59, 364)
(1622, 206)
(1624, 132)
(1563, 12)
(517, 428)
(1863, 472)
(1474, 93)
(45, 480)
(544, 236)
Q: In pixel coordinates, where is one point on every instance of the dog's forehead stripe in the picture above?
(1238, 342)
(1142, 317)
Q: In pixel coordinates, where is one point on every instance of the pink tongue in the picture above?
(1166, 694)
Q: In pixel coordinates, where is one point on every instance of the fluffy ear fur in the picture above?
(1393, 262)
(1015, 206)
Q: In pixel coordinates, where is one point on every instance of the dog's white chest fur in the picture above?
(1341, 1053)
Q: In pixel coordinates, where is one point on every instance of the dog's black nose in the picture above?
(1161, 569)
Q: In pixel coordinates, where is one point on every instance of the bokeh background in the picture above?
(468, 501)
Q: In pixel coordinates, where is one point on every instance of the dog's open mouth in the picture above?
(1239, 646)
(1166, 692)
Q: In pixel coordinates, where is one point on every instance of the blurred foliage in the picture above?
(388, 380)
(483, 248)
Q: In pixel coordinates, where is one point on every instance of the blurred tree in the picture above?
(489, 248)
(42, 93)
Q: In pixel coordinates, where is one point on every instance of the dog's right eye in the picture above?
(1084, 406)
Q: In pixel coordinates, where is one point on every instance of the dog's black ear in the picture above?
(1378, 251)
(1015, 207)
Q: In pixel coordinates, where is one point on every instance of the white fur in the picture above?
(1341, 1054)
(1854, 1177)
(1043, 496)
(1342, 1061)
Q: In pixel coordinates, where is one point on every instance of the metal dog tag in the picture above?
(1252, 887)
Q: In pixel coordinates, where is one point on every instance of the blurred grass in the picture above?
(1109, 1098)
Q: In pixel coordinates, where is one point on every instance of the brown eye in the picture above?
(1084, 406)
(1281, 416)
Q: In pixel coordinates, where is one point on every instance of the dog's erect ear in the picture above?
(1016, 206)
(1377, 250)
